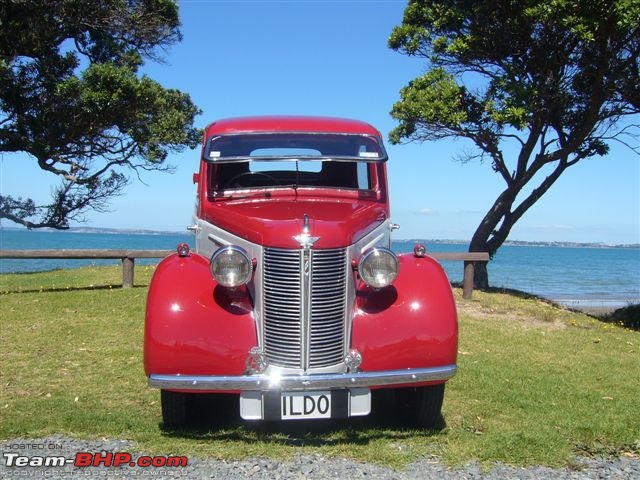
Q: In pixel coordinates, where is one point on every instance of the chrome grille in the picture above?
(328, 279)
(297, 334)
(282, 305)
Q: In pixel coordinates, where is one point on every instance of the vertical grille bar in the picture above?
(296, 334)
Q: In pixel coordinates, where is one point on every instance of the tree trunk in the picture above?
(479, 243)
(480, 276)
(491, 233)
(497, 223)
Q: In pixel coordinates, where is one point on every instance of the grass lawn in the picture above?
(536, 384)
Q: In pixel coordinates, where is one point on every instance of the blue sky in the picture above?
(330, 58)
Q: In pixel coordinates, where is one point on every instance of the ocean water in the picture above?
(574, 276)
(598, 277)
(45, 239)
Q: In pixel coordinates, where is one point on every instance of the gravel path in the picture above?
(301, 467)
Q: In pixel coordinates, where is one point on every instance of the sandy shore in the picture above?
(592, 307)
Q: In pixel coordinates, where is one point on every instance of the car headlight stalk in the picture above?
(231, 266)
(378, 267)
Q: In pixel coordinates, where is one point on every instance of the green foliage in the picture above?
(536, 384)
(434, 98)
(72, 99)
(553, 60)
(558, 78)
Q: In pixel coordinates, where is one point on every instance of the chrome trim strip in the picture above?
(373, 242)
(219, 241)
(302, 382)
(305, 307)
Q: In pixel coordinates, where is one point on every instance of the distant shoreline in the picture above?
(508, 243)
(526, 243)
(105, 231)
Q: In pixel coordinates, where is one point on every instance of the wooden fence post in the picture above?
(467, 280)
(127, 272)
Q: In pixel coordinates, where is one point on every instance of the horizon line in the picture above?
(508, 242)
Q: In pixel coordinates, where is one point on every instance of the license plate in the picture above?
(305, 405)
(276, 405)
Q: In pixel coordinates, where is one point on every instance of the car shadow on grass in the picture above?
(217, 418)
(113, 286)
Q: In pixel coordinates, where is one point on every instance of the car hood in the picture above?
(276, 222)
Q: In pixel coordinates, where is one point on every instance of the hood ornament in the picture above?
(305, 239)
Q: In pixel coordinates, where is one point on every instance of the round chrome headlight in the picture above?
(231, 266)
(378, 267)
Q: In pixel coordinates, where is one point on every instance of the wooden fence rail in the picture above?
(469, 259)
(128, 260)
(127, 256)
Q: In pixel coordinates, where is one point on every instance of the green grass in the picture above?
(536, 384)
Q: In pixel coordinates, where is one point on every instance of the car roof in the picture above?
(289, 124)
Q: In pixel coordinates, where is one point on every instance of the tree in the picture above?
(72, 100)
(554, 80)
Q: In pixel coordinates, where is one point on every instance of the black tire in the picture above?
(420, 406)
(176, 409)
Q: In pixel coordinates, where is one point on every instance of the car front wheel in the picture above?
(420, 406)
(176, 409)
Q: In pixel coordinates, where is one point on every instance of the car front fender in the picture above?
(409, 324)
(194, 326)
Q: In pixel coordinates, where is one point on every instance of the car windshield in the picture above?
(294, 146)
(273, 160)
(290, 173)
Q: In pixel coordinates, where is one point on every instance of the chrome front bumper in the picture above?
(302, 382)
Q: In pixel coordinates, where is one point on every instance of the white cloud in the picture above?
(426, 212)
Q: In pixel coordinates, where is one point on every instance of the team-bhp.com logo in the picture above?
(87, 459)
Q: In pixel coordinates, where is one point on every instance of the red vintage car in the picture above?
(292, 298)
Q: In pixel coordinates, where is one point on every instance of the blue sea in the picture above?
(591, 277)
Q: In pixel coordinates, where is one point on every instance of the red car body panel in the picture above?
(274, 222)
(288, 123)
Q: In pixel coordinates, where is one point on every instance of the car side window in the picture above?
(364, 179)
